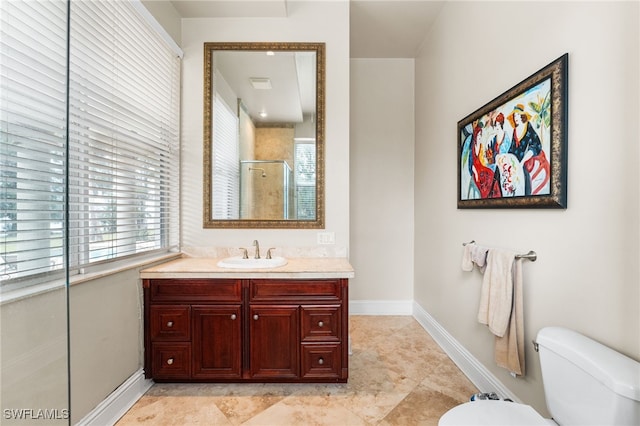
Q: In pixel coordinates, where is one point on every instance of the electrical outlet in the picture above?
(326, 238)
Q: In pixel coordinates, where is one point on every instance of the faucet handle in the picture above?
(245, 254)
(269, 252)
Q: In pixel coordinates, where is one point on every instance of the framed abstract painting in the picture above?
(512, 152)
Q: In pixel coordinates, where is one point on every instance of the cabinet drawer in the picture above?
(295, 290)
(195, 290)
(171, 360)
(170, 323)
(321, 323)
(321, 361)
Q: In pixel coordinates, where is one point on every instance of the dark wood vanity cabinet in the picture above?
(260, 330)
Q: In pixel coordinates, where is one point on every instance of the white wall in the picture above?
(326, 22)
(33, 354)
(106, 337)
(167, 16)
(587, 274)
(381, 168)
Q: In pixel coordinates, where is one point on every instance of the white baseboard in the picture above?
(109, 411)
(380, 307)
(479, 375)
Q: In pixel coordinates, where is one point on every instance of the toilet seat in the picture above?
(493, 413)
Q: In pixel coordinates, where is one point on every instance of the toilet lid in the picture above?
(492, 413)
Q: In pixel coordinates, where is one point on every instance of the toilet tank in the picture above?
(587, 383)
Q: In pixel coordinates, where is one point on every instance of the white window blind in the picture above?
(305, 180)
(123, 156)
(226, 162)
(123, 134)
(33, 62)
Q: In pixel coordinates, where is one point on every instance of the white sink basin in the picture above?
(238, 262)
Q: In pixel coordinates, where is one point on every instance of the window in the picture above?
(33, 56)
(305, 179)
(123, 134)
(226, 162)
(111, 170)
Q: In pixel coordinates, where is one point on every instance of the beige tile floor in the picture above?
(397, 376)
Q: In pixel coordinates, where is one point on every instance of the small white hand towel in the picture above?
(496, 296)
(471, 254)
(479, 256)
(467, 265)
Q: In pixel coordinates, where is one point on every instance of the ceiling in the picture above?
(379, 28)
(289, 93)
(392, 28)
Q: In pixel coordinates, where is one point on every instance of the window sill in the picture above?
(108, 269)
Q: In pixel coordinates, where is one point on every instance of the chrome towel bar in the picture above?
(532, 255)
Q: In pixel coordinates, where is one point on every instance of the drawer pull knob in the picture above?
(320, 324)
(233, 316)
(255, 317)
(170, 361)
(320, 361)
(170, 324)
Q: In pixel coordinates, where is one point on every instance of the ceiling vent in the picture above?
(260, 83)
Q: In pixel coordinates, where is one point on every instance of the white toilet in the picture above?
(585, 383)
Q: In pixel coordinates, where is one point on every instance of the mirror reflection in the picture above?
(263, 138)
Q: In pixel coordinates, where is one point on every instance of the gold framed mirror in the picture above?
(264, 118)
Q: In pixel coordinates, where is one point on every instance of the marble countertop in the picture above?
(204, 267)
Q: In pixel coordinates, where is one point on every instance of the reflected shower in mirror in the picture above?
(265, 190)
(264, 135)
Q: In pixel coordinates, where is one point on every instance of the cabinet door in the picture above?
(275, 341)
(217, 344)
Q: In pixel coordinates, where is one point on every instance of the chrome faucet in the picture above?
(257, 246)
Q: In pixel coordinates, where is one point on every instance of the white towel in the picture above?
(479, 256)
(467, 265)
(496, 297)
(509, 349)
(471, 254)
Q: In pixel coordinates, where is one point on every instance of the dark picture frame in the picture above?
(512, 152)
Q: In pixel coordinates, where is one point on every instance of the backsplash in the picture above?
(291, 252)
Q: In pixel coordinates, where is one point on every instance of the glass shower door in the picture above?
(265, 190)
(34, 341)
